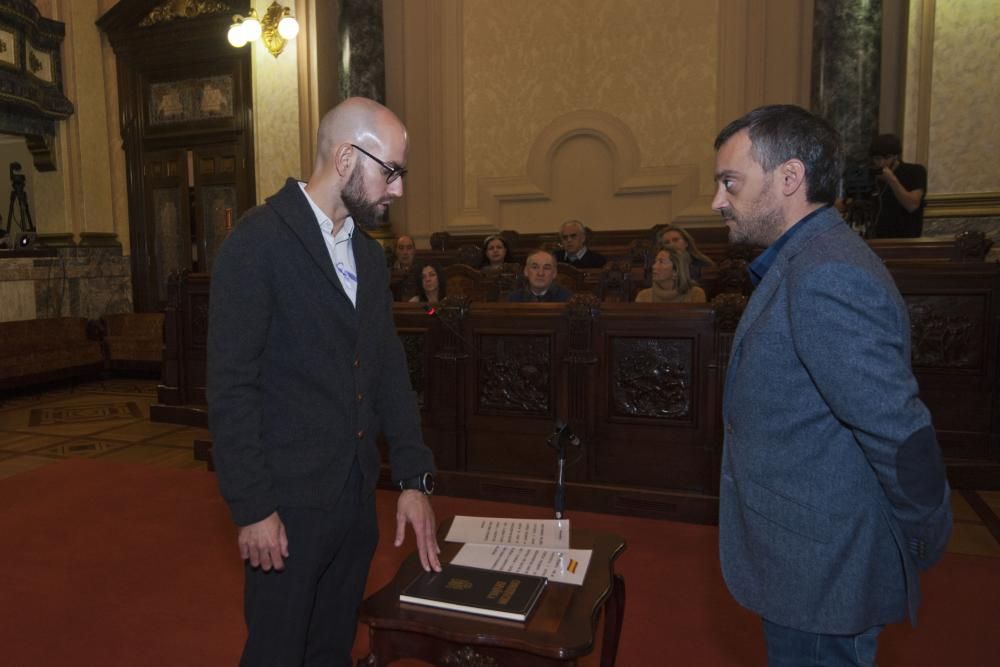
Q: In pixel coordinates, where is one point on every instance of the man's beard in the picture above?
(759, 226)
(363, 212)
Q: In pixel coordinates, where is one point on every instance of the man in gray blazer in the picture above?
(304, 371)
(833, 492)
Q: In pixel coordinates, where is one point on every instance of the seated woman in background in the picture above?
(432, 285)
(680, 239)
(671, 280)
(495, 253)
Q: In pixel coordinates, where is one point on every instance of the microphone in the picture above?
(432, 310)
(567, 432)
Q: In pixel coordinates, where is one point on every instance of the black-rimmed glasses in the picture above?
(391, 173)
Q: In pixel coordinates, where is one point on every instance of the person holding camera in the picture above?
(900, 190)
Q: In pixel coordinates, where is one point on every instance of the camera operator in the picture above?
(900, 190)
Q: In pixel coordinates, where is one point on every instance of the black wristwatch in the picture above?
(423, 483)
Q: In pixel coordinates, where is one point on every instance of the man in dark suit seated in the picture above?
(304, 371)
(575, 252)
(540, 274)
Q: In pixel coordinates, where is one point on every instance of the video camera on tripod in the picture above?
(18, 213)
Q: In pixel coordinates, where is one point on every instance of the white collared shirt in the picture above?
(340, 248)
(578, 256)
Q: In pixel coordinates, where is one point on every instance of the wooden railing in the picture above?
(640, 384)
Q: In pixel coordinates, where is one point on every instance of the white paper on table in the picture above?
(568, 566)
(551, 533)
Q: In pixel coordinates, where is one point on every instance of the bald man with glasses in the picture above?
(304, 371)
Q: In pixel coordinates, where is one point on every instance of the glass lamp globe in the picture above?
(251, 28)
(236, 36)
(288, 27)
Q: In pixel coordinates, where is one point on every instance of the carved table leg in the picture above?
(614, 614)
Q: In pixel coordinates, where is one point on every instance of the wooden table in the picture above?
(561, 629)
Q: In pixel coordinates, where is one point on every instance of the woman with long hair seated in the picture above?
(432, 285)
(680, 239)
(671, 280)
(495, 253)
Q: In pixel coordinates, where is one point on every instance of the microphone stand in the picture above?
(557, 441)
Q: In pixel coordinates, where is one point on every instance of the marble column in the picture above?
(846, 69)
(362, 50)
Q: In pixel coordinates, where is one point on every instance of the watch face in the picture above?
(428, 483)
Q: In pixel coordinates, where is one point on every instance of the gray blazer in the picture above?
(300, 382)
(833, 491)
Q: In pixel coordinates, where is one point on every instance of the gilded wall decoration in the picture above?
(650, 377)
(170, 10)
(946, 330)
(514, 374)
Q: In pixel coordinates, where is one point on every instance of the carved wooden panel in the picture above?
(514, 374)
(947, 330)
(171, 236)
(650, 377)
(199, 320)
(413, 346)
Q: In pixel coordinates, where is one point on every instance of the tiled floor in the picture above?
(107, 419)
(110, 420)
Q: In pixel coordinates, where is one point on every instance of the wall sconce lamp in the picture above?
(277, 27)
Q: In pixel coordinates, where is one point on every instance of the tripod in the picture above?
(23, 213)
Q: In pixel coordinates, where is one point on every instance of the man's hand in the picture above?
(265, 543)
(414, 507)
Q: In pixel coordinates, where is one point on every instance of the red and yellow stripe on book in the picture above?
(572, 565)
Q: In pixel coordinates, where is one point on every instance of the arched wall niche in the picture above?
(585, 165)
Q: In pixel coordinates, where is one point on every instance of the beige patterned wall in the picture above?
(277, 149)
(965, 105)
(650, 64)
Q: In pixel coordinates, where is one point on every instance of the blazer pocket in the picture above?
(787, 513)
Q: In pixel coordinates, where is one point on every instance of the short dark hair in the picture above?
(508, 256)
(781, 132)
(885, 145)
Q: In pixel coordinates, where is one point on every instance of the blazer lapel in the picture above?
(293, 208)
(761, 296)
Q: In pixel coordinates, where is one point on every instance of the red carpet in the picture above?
(116, 564)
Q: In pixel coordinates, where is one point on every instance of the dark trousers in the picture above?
(307, 614)
(787, 647)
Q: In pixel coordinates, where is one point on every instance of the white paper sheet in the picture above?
(567, 566)
(549, 533)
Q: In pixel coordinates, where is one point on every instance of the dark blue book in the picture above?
(476, 591)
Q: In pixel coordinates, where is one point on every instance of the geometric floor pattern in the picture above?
(110, 419)
(101, 419)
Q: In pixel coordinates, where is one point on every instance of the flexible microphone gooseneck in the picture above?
(562, 434)
(433, 311)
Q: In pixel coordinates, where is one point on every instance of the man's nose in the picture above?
(396, 188)
(719, 200)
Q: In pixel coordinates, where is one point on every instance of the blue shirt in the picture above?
(760, 266)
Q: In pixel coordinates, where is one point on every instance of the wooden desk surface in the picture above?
(561, 627)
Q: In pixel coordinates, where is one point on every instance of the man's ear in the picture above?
(342, 159)
(793, 176)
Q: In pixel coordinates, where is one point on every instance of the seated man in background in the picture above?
(540, 274)
(406, 250)
(574, 251)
